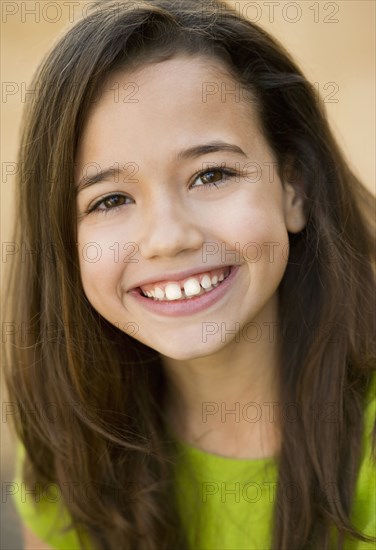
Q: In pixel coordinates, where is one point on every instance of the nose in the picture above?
(168, 229)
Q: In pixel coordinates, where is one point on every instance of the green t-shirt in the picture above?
(229, 505)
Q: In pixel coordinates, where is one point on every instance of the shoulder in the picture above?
(41, 510)
(364, 506)
(31, 541)
(369, 421)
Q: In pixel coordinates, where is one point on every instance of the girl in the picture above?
(197, 353)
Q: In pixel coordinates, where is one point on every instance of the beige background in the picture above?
(334, 43)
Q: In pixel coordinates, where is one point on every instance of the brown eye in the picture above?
(214, 177)
(109, 203)
(211, 176)
(114, 200)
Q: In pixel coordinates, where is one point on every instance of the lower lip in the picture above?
(188, 306)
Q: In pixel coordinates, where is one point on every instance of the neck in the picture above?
(223, 403)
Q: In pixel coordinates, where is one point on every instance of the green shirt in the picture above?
(229, 505)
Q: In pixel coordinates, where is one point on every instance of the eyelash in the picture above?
(225, 172)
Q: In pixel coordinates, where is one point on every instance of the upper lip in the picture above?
(163, 277)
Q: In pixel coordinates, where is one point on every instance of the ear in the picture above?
(294, 208)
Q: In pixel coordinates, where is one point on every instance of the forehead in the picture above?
(163, 107)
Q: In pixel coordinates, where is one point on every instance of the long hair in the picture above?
(97, 393)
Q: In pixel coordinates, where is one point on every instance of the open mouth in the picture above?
(192, 288)
(204, 298)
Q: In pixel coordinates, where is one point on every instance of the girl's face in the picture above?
(154, 216)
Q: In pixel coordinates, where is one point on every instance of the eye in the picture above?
(215, 177)
(111, 202)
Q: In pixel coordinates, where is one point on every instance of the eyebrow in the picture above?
(184, 154)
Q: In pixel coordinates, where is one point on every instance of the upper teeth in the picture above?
(191, 287)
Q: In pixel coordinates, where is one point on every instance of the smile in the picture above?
(187, 289)
(194, 303)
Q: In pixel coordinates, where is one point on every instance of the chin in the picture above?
(190, 350)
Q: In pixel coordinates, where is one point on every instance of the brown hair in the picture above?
(109, 424)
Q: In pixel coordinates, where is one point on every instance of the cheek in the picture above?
(254, 227)
(100, 265)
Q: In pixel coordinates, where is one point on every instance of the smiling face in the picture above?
(157, 216)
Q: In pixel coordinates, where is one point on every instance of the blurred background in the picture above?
(333, 42)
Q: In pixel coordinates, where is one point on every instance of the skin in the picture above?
(170, 216)
(31, 541)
